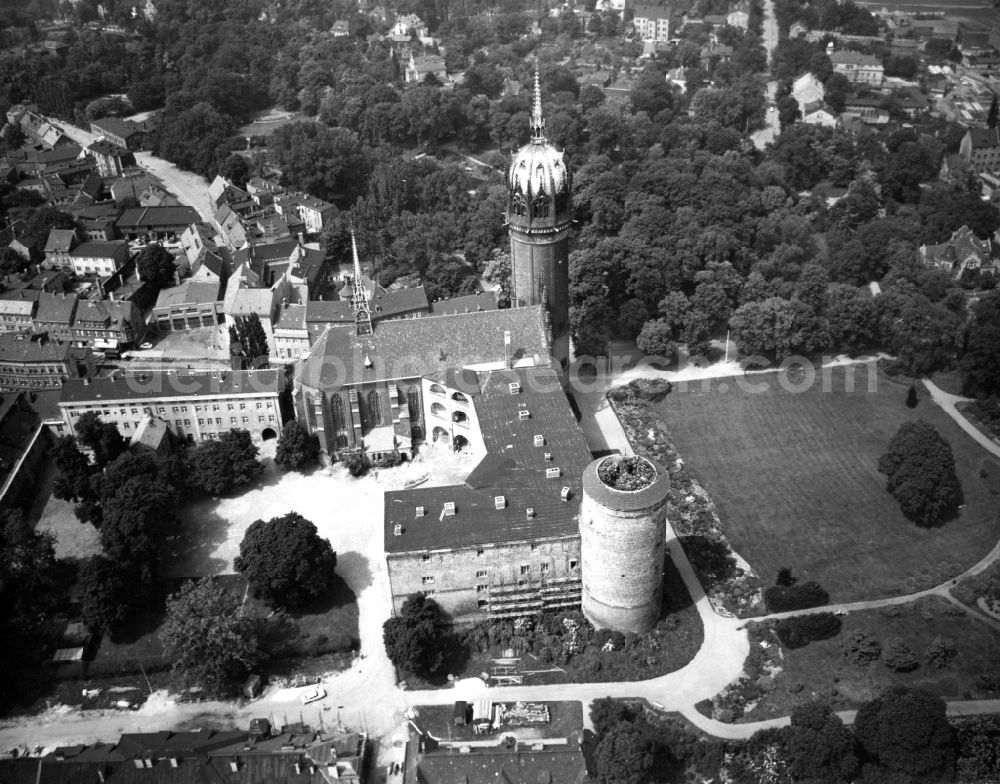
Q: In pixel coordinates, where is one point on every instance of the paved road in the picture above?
(189, 188)
(948, 402)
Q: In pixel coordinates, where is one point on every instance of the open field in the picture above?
(795, 480)
(819, 669)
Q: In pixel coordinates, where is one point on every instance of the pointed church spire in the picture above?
(537, 121)
(359, 299)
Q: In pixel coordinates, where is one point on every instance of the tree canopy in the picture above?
(920, 470)
(219, 466)
(414, 639)
(208, 637)
(286, 560)
(297, 447)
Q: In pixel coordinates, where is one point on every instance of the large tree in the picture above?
(624, 755)
(905, 733)
(101, 437)
(415, 638)
(820, 747)
(981, 358)
(297, 447)
(209, 638)
(286, 560)
(248, 341)
(920, 470)
(156, 266)
(221, 465)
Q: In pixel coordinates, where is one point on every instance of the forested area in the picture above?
(683, 228)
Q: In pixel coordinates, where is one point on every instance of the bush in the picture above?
(800, 596)
(859, 647)
(801, 630)
(357, 463)
(940, 652)
(897, 656)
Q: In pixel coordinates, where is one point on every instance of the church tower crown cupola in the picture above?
(538, 170)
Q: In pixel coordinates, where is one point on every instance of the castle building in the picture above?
(539, 214)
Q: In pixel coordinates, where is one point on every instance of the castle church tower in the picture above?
(539, 214)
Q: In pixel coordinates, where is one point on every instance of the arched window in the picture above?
(437, 389)
(413, 404)
(341, 441)
(518, 206)
(460, 417)
(375, 408)
(437, 408)
(540, 207)
(459, 397)
(337, 412)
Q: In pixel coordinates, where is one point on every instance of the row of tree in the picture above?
(902, 736)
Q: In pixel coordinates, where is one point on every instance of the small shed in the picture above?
(461, 713)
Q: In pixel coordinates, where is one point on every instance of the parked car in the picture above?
(314, 694)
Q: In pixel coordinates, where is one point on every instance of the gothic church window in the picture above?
(337, 412)
(540, 207)
(518, 207)
(375, 408)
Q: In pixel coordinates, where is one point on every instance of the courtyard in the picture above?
(794, 475)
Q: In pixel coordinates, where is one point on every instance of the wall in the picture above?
(463, 578)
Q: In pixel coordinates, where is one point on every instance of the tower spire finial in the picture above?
(537, 121)
(359, 299)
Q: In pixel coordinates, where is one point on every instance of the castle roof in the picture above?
(513, 467)
(412, 348)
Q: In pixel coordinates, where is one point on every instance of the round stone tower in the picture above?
(539, 214)
(622, 531)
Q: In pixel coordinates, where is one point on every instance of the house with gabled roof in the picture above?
(963, 252)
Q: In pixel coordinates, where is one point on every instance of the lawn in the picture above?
(794, 476)
(819, 669)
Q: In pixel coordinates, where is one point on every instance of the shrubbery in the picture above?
(859, 647)
(357, 463)
(799, 596)
(650, 389)
(920, 470)
(897, 656)
(801, 630)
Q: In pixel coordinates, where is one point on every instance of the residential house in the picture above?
(291, 337)
(58, 247)
(739, 17)
(155, 223)
(17, 309)
(31, 362)
(809, 93)
(196, 238)
(556, 761)
(314, 213)
(111, 159)
(151, 436)
(421, 66)
(652, 23)
(962, 252)
(97, 222)
(99, 258)
(341, 28)
(980, 147)
(55, 315)
(108, 325)
(196, 405)
(821, 116)
(408, 25)
(122, 133)
(858, 68)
